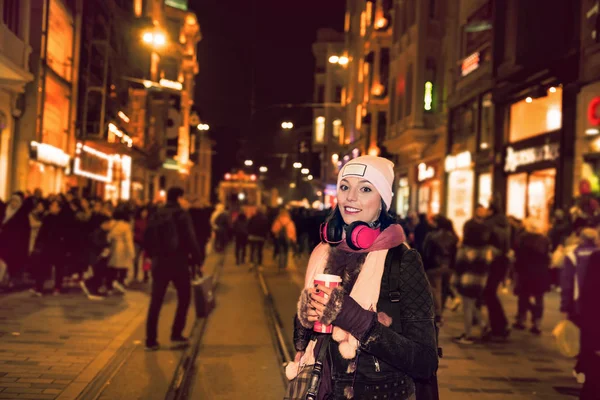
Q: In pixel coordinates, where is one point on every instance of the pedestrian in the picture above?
(422, 228)
(219, 221)
(532, 267)
(14, 237)
(98, 255)
(35, 223)
(439, 254)
(473, 261)
(499, 227)
(258, 230)
(284, 232)
(170, 240)
(122, 252)
(240, 232)
(384, 336)
(49, 250)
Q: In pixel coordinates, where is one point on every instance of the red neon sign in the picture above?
(591, 114)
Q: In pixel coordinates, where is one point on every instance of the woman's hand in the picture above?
(318, 302)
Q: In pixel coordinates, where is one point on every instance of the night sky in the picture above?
(274, 37)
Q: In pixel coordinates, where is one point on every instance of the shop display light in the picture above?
(126, 182)
(171, 84)
(51, 155)
(120, 134)
(123, 116)
(86, 174)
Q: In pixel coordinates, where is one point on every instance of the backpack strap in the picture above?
(394, 273)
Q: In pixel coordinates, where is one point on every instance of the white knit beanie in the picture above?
(377, 170)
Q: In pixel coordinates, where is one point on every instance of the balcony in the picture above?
(14, 60)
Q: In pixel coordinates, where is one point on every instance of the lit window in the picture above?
(347, 22)
(358, 116)
(369, 15)
(319, 129)
(60, 40)
(337, 124)
(529, 118)
(363, 23)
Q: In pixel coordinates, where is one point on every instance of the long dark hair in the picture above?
(385, 218)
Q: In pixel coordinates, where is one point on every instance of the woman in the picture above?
(122, 251)
(384, 338)
(532, 266)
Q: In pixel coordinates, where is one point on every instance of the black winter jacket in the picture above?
(390, 358)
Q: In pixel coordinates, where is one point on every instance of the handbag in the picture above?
(567, 338)
(305, 386)
(204, 297)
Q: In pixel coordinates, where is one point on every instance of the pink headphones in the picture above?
(359, 235)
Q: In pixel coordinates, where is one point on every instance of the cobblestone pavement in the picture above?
(52, 347)
(524, 367)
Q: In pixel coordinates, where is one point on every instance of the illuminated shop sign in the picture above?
(48, 154)
(428, 98)
(593, 119)
(94, 164)
(459, 161)
(171, 84)
(518, 158)
(425, 172)
(114, 132)
(470, 63)
(179, 4)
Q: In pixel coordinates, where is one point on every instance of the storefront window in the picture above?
(60, 40)
(486, 137)
(532, 196)
(56, 113)
(484, 189)
(429, 197)
(402, 197)
(532, 117)
(460, 197)
(463, 125)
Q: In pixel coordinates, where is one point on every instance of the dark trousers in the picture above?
(115, 274)
(256, 251)
(525, 305)
(139, 251)
(240, 249)
(44, 271)
(161, 277)
(498, 321)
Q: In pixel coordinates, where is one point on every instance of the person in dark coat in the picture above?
(499, 228)
(240, 232)
(14, 236)
(171, 264)
(258, 231)
(439, 254)
(532, 266)
(421, 231)
(50, 248)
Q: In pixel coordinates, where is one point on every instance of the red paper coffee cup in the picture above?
(329, 281)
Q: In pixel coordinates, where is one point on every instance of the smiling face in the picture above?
(358, 200)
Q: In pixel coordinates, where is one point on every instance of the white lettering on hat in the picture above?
(355, 169)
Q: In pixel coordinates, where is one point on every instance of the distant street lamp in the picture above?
(287, 125)
(297, 165)
(156, 39)
(248, 163)
(304, 171)
(203, 127)
(263, 169)
(334, 59)
(310, 177)
(292, 185)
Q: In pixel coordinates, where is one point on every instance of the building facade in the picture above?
(417, 122)
(15, 74)
(328, 128)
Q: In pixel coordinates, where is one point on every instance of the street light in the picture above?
(310, 177)
(334, 59)
(297, 165)
(343, 60)
(248, 163)
(156, 39)
(287, 125)
(203, 127)
(304, 171)
(263, 169)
